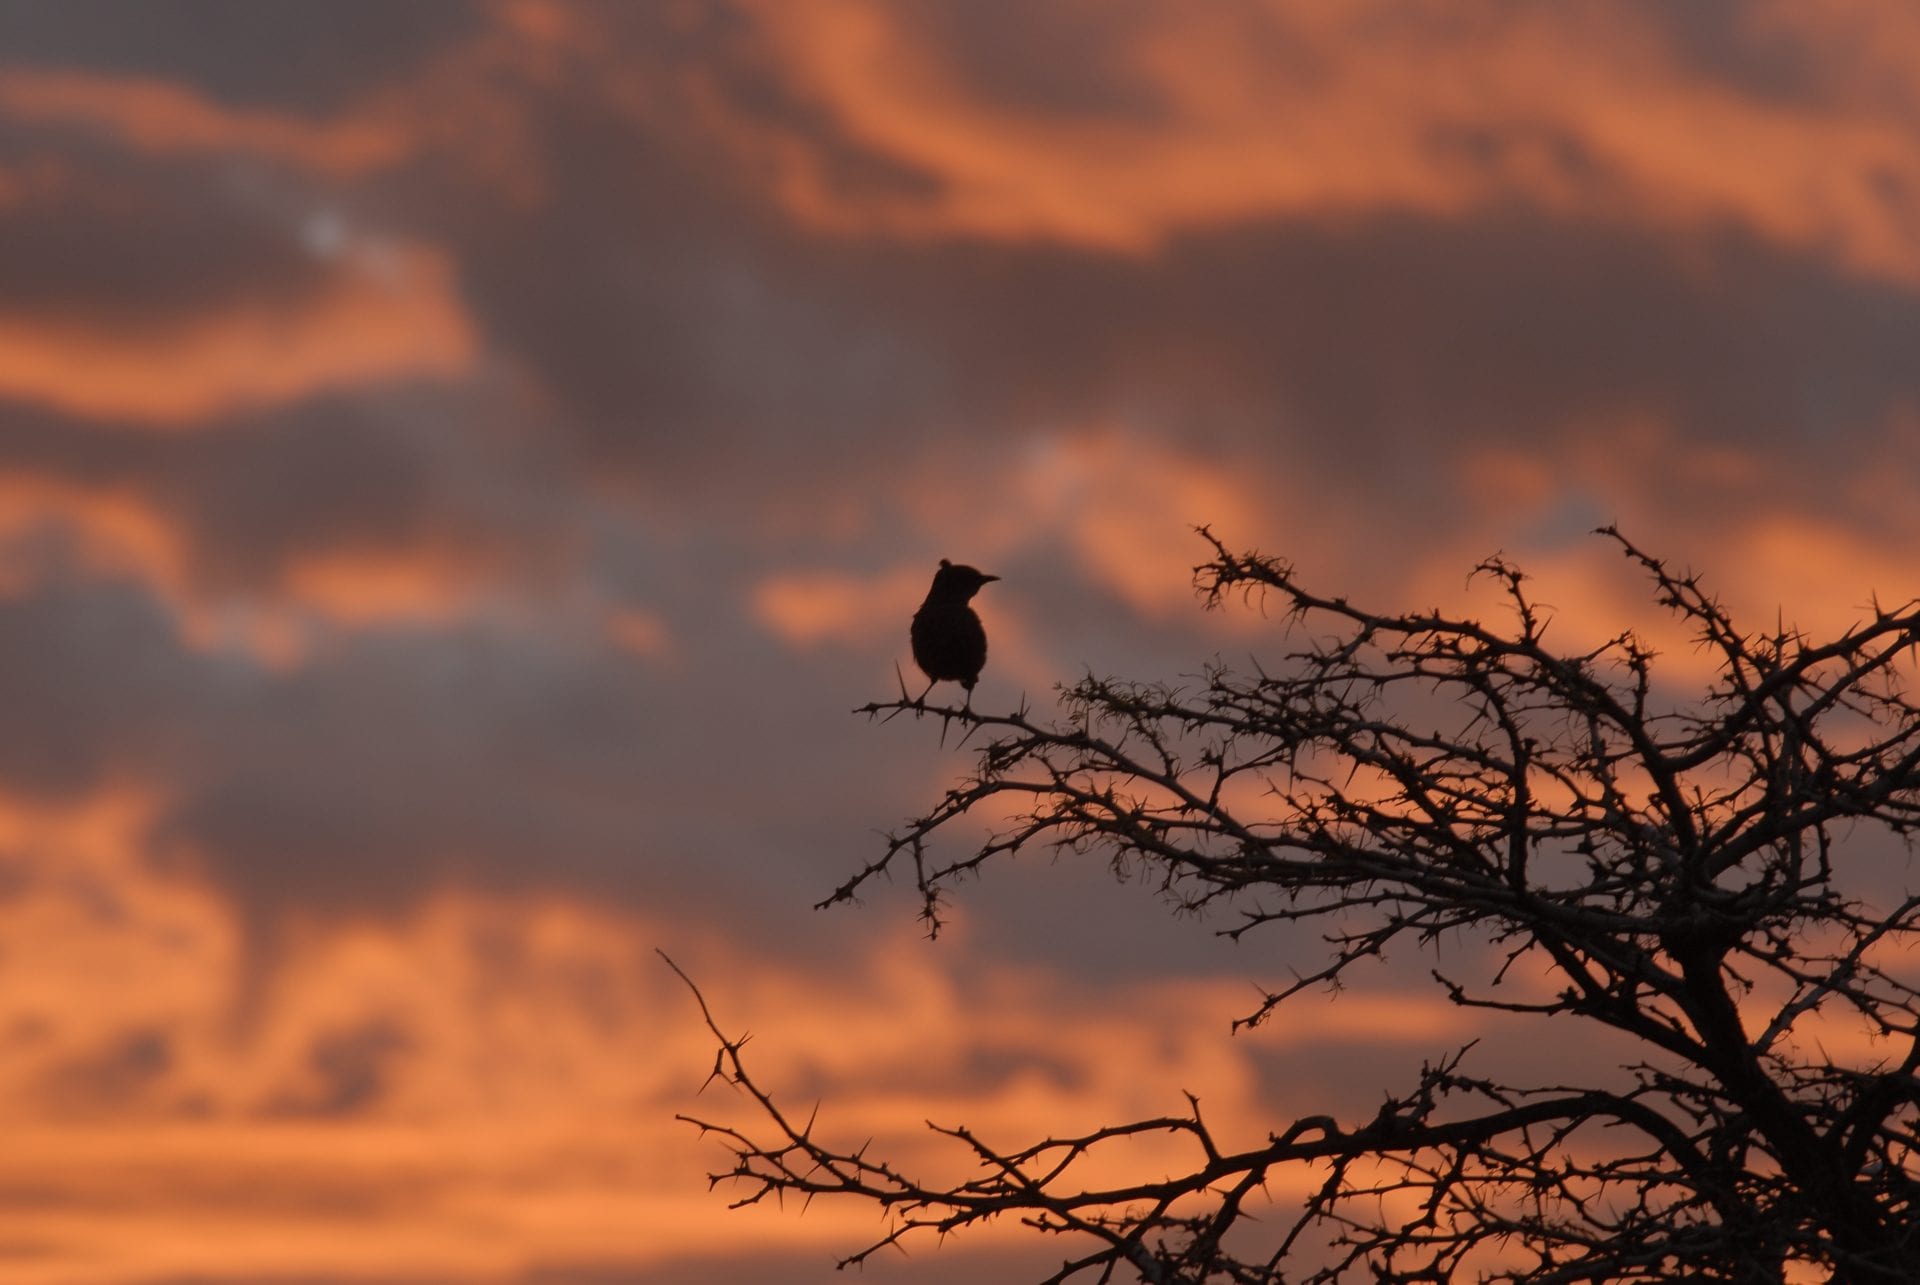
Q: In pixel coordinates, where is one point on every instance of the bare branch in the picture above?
(1671, 860)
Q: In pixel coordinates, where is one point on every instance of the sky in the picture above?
(461, 464)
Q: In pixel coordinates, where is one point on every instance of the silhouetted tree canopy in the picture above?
(1675, 865)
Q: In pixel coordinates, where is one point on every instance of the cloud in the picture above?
(640, 631)
(1252, 111)
(1127, 505)
(236, 52)
(357, 1104)
(459, 471)
(810, 608)
(396, 315)
(159, 116)
(55, 528)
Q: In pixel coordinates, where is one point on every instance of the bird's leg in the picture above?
(972, 724)
(918, 702)
(966, 707)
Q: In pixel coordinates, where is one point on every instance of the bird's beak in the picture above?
(984, 578)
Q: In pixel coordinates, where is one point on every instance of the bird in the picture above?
(949, 643)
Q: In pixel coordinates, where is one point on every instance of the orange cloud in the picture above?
(1128, 506)
(320, 595)
(459, 105)
(1789, 568)
(1124, 503)
(379, 586)
(639, 631)
(808, 608)
(1274, 109)
(120, 534)
(161, 117)
(1822, 576)
(395, 314)
(484, 1086)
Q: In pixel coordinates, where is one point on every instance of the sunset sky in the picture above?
(460, 464)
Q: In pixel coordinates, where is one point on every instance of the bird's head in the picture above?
(956, 583)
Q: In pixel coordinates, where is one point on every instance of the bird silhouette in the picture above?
(949, 643)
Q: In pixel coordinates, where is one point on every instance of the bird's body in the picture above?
(949, 643)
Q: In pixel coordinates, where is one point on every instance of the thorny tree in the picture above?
(1675, 868)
